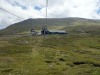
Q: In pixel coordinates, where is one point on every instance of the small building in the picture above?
(58, 32)
(33, 32)
(45, 31)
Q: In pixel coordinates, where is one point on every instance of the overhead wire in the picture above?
(23, 18)
(10, 13)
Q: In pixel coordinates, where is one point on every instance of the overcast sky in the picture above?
(56, 9)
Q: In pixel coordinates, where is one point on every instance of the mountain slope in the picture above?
(26, 25)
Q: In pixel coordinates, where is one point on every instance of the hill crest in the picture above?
(26, 25)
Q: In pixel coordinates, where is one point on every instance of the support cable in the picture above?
(11, 13)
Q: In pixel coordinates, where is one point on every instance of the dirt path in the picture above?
(36, 47)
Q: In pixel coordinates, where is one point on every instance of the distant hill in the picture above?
(69, 24)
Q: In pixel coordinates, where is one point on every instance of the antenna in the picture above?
(44, 28)
(46, 9)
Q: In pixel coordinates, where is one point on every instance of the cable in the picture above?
(10, 13)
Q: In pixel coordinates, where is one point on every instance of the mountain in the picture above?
(66, 23)
(77, 53)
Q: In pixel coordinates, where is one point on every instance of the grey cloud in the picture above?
(56, 9)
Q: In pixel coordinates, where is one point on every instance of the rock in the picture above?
(61, 59)
(7, 70)
(48, 61)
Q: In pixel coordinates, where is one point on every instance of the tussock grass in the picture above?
(72, 54)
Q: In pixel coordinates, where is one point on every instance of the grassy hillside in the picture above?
(26, 25)
(50, 55)
(83, 29)
(77, 53)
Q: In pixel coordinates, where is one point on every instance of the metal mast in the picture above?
(46, 15)
(46, 9)
(44, 28)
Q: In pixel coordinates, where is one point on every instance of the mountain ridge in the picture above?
(27, 24)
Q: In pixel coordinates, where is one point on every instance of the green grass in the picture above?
(52, 55)
(77, 53)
